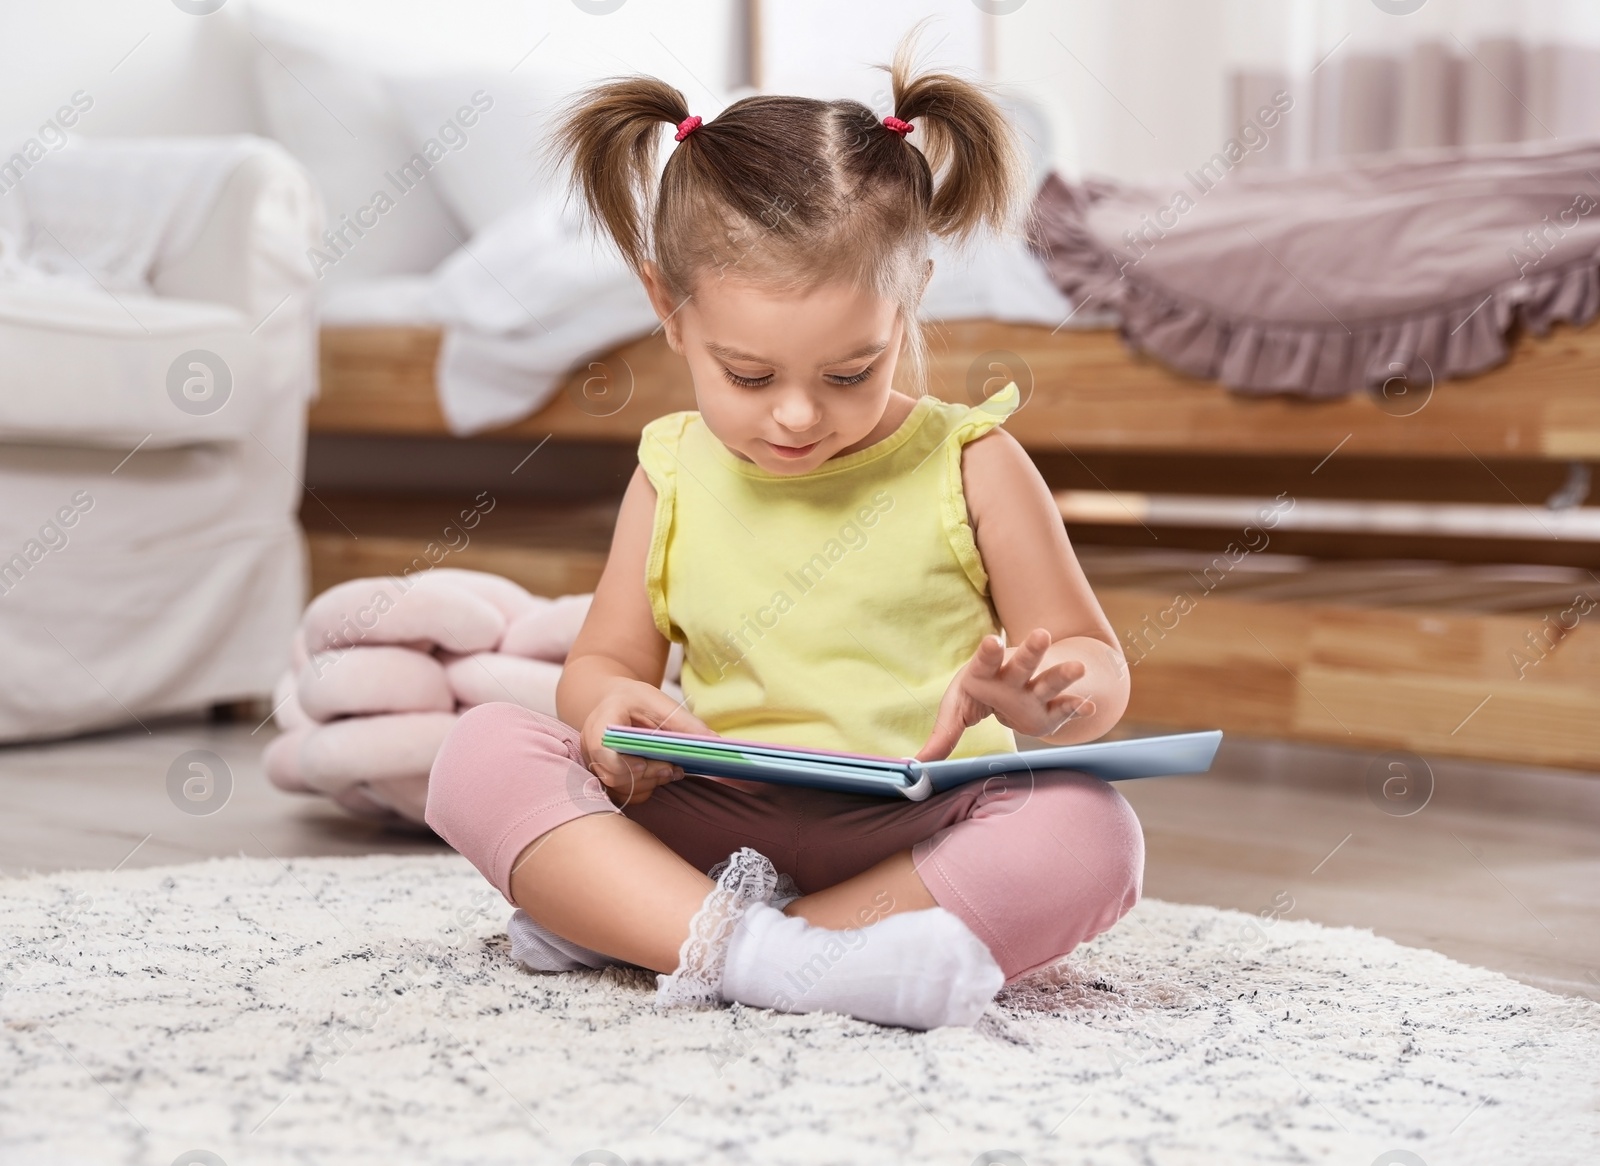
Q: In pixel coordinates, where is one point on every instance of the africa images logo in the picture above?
(199, 382)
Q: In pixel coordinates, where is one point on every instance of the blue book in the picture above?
(863, 773)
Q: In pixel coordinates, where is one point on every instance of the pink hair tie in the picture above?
(686, 127)
(900, 127)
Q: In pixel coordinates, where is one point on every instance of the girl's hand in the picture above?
(631, 779)
(1003, 682)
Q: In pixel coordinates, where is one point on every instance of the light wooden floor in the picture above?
(1501, 868)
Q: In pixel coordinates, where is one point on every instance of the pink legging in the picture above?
(1034, 864)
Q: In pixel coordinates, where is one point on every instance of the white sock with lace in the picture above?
(919, 969)
(916, 969)
(541, 950)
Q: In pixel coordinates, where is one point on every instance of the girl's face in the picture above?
(786, 380)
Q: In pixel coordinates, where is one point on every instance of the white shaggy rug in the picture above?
(366, 1010)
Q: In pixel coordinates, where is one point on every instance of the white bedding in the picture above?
(389, 299)
(530, 298)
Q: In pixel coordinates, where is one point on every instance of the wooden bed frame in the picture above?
(1090, 394)
(1414, 656)
(1477, 662)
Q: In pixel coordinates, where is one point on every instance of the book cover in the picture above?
(1134, 757)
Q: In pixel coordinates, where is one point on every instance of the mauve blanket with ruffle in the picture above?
(1325, 281)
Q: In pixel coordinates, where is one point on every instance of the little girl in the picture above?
(846, 567)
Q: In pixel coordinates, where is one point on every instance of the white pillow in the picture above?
(499, 162)
(335, 114)
(492, 130)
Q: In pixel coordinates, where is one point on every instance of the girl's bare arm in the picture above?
(614, 670)
(1035, 582)
(619, 638)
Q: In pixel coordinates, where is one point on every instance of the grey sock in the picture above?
(541, 950)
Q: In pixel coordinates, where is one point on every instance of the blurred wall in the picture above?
(1137, 89)
(1132, 87)
(149, 68)
(152, 68)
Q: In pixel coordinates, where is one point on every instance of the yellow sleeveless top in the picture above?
(828, 609)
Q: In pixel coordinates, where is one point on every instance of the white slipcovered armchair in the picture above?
(159, 349)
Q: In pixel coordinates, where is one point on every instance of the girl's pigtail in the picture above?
(980, 170)
(608, 135)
